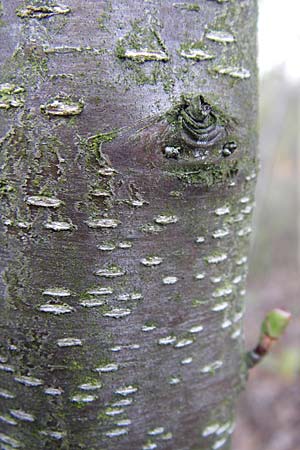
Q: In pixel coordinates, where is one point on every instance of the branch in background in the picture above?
(272, 329)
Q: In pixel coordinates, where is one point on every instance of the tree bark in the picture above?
(128, 137)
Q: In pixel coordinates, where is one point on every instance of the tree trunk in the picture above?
(128, 136)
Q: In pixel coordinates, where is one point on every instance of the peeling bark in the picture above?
(127, 133)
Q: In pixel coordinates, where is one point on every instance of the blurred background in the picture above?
(269, 410)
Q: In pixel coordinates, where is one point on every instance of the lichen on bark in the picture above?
(128, 170)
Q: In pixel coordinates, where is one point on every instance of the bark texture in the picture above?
(128, 137)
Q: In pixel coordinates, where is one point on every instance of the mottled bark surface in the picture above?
(126, 206)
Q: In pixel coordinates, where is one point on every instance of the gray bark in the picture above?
(125, 220)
